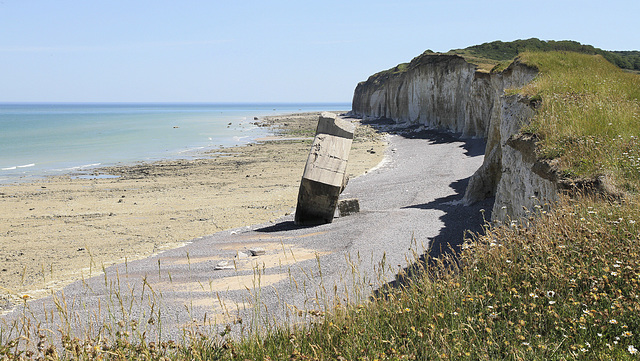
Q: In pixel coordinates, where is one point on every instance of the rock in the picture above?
(348, 206)
(257, 251)
(325, 171)
(224, 265)
(244, 254)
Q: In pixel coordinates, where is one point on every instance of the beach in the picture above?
(65, 228)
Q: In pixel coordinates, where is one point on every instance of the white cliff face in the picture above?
(446, 92)
(520, 192)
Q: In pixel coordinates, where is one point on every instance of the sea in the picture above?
(44, 139)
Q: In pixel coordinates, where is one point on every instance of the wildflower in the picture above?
(599, 335)
(550, 294)
(552, 302)
(632, 350)
(614, 274)
(613, 321)
(627, 334)
(533, 295)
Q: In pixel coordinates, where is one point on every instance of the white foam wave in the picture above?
(191, 150)
(79, 167)
(19, 166)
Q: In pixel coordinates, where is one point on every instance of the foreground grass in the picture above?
(563, 285)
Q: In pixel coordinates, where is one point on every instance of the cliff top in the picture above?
(497, 55)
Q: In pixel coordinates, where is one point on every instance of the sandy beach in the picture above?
(60, 229)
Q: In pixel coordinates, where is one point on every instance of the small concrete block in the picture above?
(258, 251)
(348, 206)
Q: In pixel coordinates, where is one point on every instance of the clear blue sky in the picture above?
(263, 51)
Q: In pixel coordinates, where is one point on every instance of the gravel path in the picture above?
(408, 204)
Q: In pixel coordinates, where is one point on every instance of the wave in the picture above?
(191, 150)
(79, 167)
(19, 166)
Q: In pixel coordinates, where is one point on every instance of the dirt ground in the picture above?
(60, 229)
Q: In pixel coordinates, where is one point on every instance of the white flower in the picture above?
(552, 302)
(550, 294)
(533, 295)
(632, 350)
(614, 274)
(613, 321)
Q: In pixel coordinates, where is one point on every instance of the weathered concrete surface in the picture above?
(324, 174)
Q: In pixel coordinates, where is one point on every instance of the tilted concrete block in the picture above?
(325, 172)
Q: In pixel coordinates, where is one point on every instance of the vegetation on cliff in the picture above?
(496, 55)
(589, 119)
(507, 51)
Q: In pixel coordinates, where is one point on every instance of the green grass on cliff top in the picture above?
(589, 120)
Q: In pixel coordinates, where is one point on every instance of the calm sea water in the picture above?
(37, 140)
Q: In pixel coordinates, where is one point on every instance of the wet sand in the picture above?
(60, 229)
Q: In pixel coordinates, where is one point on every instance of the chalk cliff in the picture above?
(445, 92)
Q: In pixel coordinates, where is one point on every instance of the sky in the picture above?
(263, 51)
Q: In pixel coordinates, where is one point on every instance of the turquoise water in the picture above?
(37, 140)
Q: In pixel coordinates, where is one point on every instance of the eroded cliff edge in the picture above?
(446, 92)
